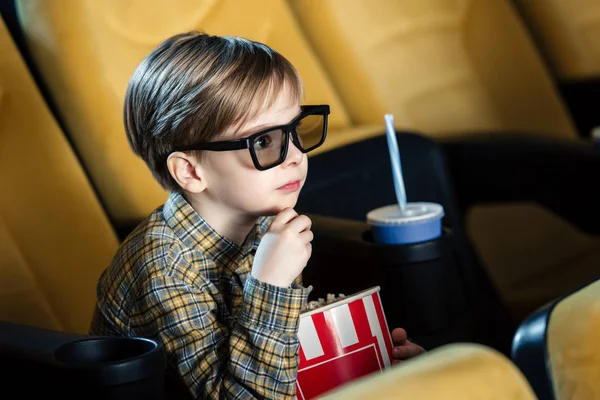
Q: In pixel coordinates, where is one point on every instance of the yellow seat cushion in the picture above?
(55, 238)
(573, 346)
(532, 255)
(457, 371)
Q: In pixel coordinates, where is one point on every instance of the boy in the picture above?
(212, 274)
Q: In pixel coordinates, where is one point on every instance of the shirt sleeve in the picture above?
(258, 358)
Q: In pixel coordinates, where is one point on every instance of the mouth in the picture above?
(290, 187)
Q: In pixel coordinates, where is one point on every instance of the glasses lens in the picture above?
(310, 130)
(268, 147)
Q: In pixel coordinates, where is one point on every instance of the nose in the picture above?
(294, 155)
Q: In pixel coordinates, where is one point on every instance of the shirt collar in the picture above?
(194, 231)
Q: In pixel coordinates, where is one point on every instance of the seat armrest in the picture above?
(79, 366)
(530, 351)
(421, 284)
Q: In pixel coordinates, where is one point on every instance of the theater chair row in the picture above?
(56, 236)
(443, 68)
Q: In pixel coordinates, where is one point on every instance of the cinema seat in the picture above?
(55, 238)
(568, 35)
(557, 346)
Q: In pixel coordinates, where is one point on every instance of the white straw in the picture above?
(395, 158)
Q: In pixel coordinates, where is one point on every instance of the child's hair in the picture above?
(193, 87)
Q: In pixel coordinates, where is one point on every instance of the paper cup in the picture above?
(341, 342)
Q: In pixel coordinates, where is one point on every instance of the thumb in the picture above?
(399, 336)
(285, 216)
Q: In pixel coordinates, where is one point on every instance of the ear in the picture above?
(187, 172)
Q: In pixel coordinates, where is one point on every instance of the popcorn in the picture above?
(331, 298)
(328, 348)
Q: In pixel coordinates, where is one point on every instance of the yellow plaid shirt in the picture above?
(178, 281)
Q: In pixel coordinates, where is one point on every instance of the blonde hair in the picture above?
(193, 87)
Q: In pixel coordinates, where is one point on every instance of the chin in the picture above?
(277, 208)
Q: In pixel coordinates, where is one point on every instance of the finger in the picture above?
(309, 249)
(394, 361)
(399, 336)
(307, 236)
(407, 351)
(281, 219)
(300, 223)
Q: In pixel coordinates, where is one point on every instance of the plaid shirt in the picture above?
(178, 281)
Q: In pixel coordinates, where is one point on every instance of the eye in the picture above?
(262, 142)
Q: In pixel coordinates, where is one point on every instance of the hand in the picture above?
(403, 348)
(284, 250)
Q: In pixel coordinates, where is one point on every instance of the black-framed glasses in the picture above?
(269, 147)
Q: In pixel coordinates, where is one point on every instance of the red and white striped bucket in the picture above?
(341, 342)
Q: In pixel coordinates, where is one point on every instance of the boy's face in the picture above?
(232, 180)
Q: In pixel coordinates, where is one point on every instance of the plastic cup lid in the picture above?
(414, 213)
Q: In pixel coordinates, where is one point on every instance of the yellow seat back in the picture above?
(440, 66)
(87, 51)
(568, 33)
(456, 371)
(55, 238)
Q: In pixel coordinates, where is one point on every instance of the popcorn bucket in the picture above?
(341, 342)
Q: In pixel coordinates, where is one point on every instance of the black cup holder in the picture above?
(111, 361)
(77, 366)
(103, 350)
